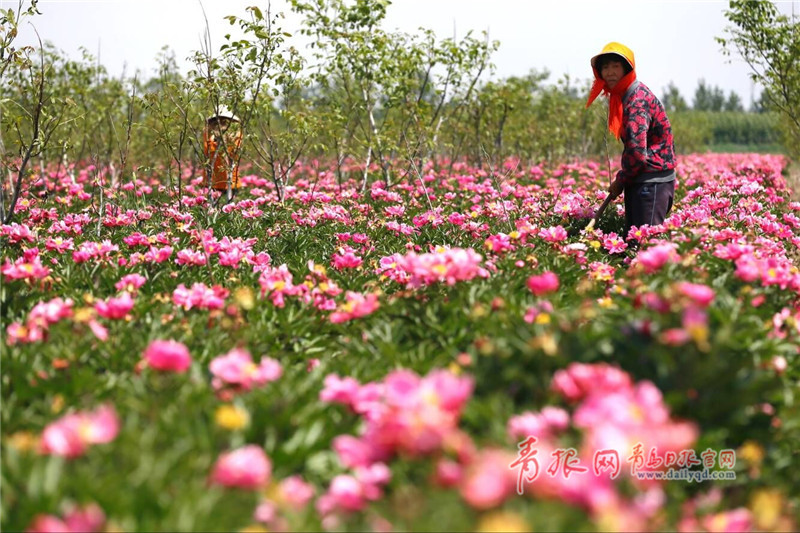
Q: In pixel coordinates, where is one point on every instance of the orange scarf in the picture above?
(615, 99)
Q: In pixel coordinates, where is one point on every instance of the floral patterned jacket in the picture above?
(649, 149)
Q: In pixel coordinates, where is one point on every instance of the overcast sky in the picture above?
(672, 40)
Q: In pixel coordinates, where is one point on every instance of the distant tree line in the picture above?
(719, 122)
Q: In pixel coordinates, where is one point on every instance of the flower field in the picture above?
(455, 351)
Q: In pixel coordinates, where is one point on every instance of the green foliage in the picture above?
(744, 128)
(734, 103)
(31, 108)
(708, 98)
(697, 131)
(673, 100)
(525, 117)
(386, 95)
(174, 118)
(9, 29)
(692, 131)
(770, 43)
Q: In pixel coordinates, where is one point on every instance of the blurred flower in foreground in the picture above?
(488, 481)
(23, 441)
(115, 308)
(543, 283)
(246, 468)
(503, 521)
(767, 508)
(70, 435)
(657, 256)
(231, 417)
(168, 356)
(88, 519)
(356, 305)
(237, 370)
(130, 283)
(723, 522)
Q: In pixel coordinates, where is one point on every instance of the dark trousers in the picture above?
(647, 203)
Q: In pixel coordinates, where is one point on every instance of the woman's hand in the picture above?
(616, 188)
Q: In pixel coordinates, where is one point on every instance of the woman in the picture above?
(637, 117)
(222, 140)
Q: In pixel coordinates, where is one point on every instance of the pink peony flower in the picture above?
(130, 283)
(553, 234)
(701, 295)
(579, 380)
(448, 473)
(352, 452)
(17, 233)
(23, 269)
(199, 296)
(191, 258)
(246, 468)
(158, 255)
(488, 481)
(550, 421)
(443, 265)
(499, 243)
(779, 364)
(277, 282)
(59, 244)
(48, 524)
(17, 333)
(543, 283)
(98, 329)
(89, 519)
(41, 317)
(657, 256)
(346, 257)
(351, 493)
(72, 434)
(614, 243)
(347, 493)
(339, 390)
(356, 306)
(236, 368)
(168, 356)
(675, 337)
(295, 492)
(266, 512)
(115, 308)
(375, 474)
(451, 391)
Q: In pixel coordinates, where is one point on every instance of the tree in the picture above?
(173, 107)
(770, 44)
(733, 103)
(387, 94)
(673, 99)
(707, 98)
(38, 108)
(762, 104)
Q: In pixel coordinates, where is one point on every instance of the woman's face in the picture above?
(612, 71)
(219, 124)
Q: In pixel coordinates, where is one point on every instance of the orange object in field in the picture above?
(222, 133)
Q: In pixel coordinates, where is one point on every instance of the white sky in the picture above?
(672, 40)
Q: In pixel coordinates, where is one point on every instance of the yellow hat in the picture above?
(617, 49)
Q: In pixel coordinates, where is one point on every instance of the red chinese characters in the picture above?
(527, 463)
